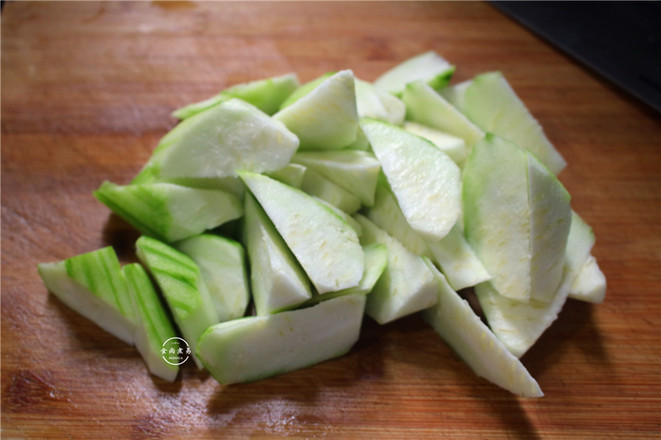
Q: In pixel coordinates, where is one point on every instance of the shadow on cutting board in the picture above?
(301, 387)
(575, 317)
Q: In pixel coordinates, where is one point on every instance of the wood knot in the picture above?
(27, 391)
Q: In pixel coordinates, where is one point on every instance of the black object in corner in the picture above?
(619, 40)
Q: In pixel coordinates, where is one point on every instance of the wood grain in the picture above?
(87, 89)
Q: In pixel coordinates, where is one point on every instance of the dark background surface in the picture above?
(619, 40)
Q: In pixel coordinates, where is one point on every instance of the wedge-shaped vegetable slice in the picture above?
(453, 254)
(590, 284)
(153, 322)
(343, 215)
(92, 284)
(580, 241)
(455, 93)
(305, 89)
(180, 281)
(292, 174)
(361, 143)
(491, 103)
(550, 221)
(265, 94)
(326, 118)
(458, 261)
(222, 263)
(428, 67)
(215, 143)
(373, 102)
(257, 347)
(376, 261)
(321, 187)
(355, 171)
(453, 146)
(385, 213)
(231, 184)
(327, 247)
(406, 285)
(497, 214)
(519, 325)
(425, 181)
(425, 106)
(167, 211)
(517, 217)
(454, 320)
(278, 282)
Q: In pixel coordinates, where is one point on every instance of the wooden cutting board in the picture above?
(87, 89)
